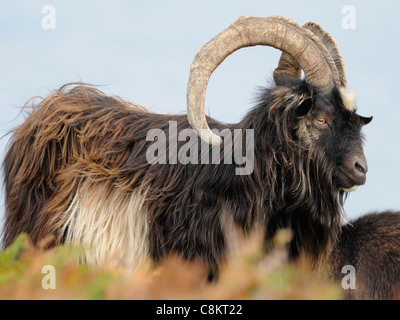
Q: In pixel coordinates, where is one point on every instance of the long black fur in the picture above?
(79, 134)
(371, 245)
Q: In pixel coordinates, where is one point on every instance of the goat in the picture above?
(370, 244)
(77, 169)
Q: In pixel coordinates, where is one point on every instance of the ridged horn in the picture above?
(276, 31)
(330, 44)
(288, 66)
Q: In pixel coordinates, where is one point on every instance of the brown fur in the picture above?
(70, 136)
(78, 141)
(371, 244)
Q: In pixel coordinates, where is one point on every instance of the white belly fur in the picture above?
(112, 227)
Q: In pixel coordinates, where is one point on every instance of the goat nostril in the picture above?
(361, 166)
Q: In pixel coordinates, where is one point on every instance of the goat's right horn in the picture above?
(278, 32)
(330, 44)
(288, 66)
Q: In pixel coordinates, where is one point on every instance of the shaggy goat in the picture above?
(77, 168)
(370, 245)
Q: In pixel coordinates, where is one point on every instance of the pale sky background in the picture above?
(142, 51)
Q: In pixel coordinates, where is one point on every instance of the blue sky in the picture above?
(142, 51)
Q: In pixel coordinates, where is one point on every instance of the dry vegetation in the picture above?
(246, 275)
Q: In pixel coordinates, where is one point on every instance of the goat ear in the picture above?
(365, 120)
(304, 106)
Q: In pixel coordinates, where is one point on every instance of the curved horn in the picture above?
(289, 67)
(330, 44)
(278, 32)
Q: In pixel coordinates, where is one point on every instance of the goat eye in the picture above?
(320, 121)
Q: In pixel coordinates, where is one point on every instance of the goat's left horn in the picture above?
(278, 32)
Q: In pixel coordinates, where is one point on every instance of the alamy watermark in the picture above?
(349, 18)
(349, 280)
(49, 19)
(49, 280)
(238, 148)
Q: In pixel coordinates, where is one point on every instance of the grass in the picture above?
(247, 274)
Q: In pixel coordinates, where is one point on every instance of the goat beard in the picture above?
(313, 207)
